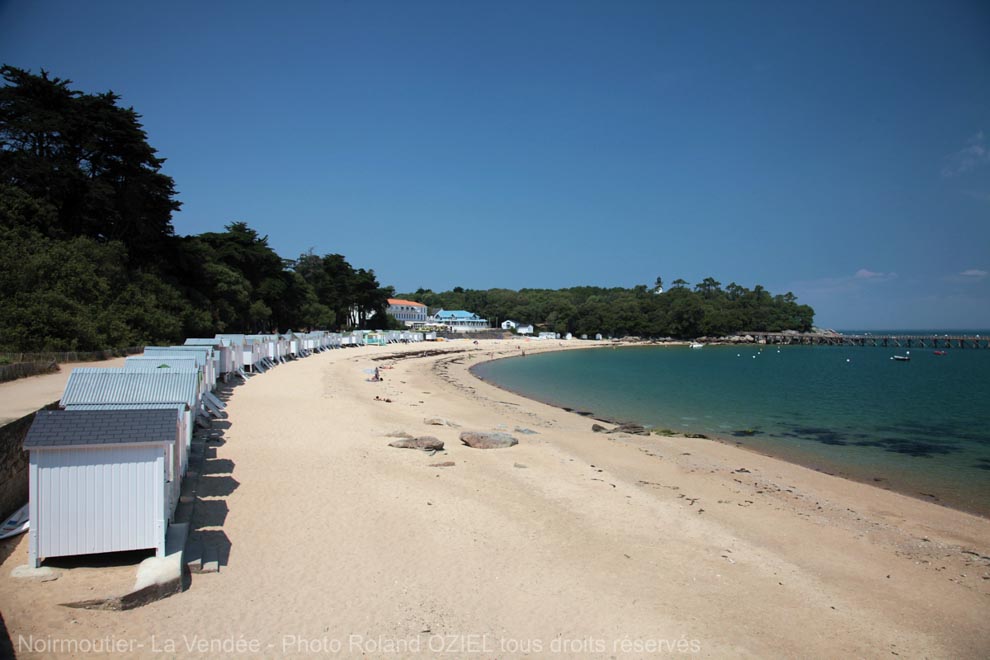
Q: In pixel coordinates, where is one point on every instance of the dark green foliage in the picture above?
(89, 259)
(88, 256)
(353, 296)
(680, 312)
(86, 158)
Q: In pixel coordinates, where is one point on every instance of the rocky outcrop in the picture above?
(625, 427)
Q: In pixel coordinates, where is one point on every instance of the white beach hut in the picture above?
(250, 352)
(98, 481)
(91, 386)
(315, 341)
(223, 353)
(177, 459)
(202, 354)
(294, 344)
(209, 404)
(268, 349)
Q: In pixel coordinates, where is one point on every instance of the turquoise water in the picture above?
(921, 427)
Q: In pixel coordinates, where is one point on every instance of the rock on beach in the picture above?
(423, 442)
(486, 440)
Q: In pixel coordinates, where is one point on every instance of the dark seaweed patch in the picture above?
(916, 448)
(747, 433)
(934, 430)
(822, 435)
(908, 446)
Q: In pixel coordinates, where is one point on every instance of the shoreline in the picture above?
(829, 469)
(331, 535)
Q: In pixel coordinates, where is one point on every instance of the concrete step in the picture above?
(211, 559)
(193, 556)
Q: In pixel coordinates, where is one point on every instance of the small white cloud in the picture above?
(973, 155)
(981, 195)
(866, 274)
(974, 273)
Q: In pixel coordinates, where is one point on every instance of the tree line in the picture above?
(89, 258)
(707, 309)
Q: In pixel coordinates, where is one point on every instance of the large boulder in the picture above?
(423, 442)
(487, 440)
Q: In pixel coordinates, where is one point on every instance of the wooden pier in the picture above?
(882, 341)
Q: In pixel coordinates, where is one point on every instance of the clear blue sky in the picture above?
(840, 150)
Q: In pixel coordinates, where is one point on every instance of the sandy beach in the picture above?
(572, 543)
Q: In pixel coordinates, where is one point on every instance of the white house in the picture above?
(520, 328)
(409, 312)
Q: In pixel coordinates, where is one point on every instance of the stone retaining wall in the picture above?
(14, 463)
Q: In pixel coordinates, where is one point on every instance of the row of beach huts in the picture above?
(106, 467)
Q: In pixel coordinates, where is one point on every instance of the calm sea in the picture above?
(921, 427)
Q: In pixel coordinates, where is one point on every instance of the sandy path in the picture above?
(570, 542)
(25, 395)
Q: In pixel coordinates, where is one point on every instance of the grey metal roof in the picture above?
(69, 428)
(200, 353)
(90, 385)
(205, 341)
(148, 362)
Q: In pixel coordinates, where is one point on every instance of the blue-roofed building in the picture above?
(459, 320)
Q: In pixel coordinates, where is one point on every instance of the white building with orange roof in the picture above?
(409, 312)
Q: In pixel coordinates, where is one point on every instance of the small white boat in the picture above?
(695, 344)
(16, 524)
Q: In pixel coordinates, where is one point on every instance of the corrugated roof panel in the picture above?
(146, 362)
(198, 357)
(205, 341)
(202, 353)
(120, 386)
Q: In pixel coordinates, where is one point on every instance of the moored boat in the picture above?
(17, 522)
